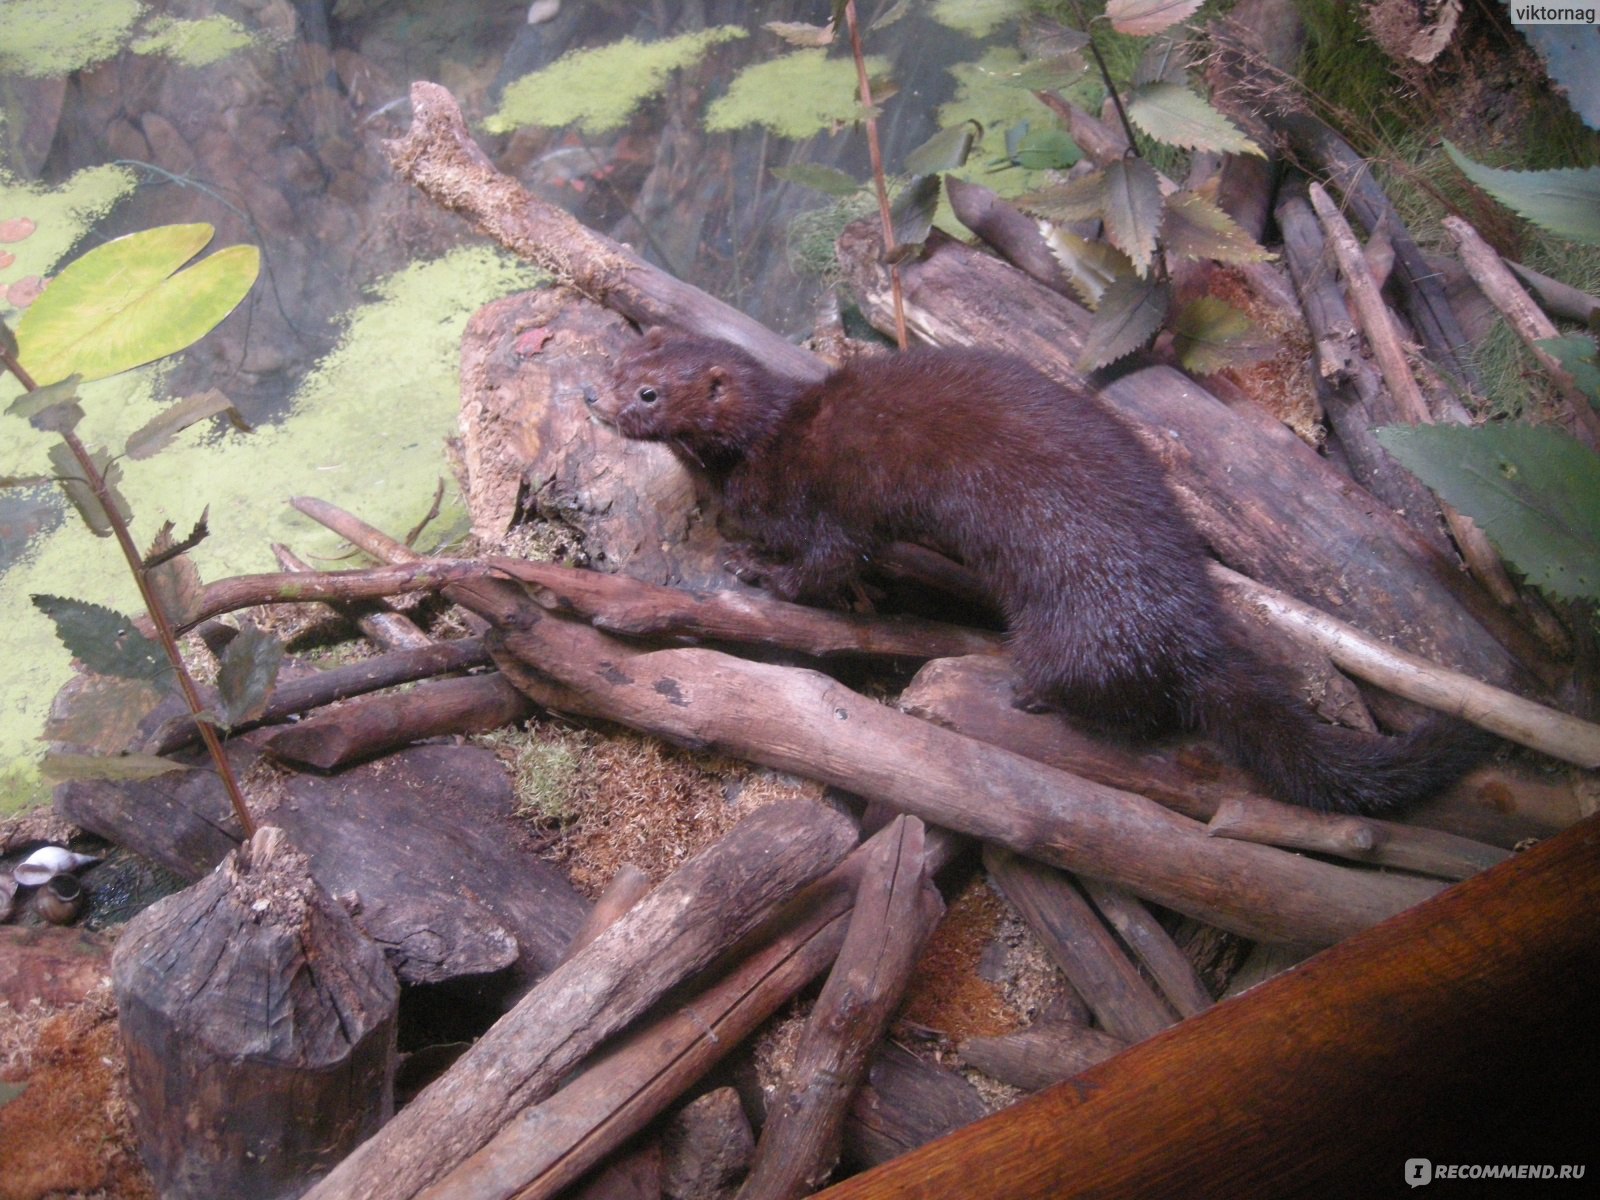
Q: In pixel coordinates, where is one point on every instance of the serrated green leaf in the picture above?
(1090, 267)
(945, 150)
(127, 302)
(1179, 117)
(79, 492)
(173, 420)
(172, 575)
(1210, 334)
(1133, 210)
(1194, 227)
(1080, 199)
(1533, 490)
(51, 409)
(828, 180)
(1143, 17)
(248, 670)
(1130, 312)
(1577, 354)
(64, 768)
(103, 639)
(1564, 202)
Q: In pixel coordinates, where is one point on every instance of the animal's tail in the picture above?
(1300, 759)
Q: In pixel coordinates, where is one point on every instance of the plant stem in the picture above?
(158, 616)
(884, 211)
(1105, 77)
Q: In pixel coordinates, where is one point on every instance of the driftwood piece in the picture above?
(439, 156)
(259, 1026)
(907, 1102)
(1139, 930)
(703, 908)
(1296, 1088)
(413, 837)
(1096, 967)
(372, 725)
(1559, 299)
(1044, 1053)
(807, 723)
(1010, 232)
(294, 696)
(896, 908)
(554, 1142)
(1267, 503)
(1360, 839)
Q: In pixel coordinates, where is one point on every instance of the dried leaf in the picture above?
(64, 768)
(172, 575)
(1090, 267)
(798, 33)
(1133, 210)
(103, 639)
(913, 212)
(52, 409)
(1130, 312)
(1194, 227)
(171, 421)
(1080, 199)
(249, 669)
(1179, 117)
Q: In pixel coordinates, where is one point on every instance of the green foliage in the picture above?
(1579, 356)
(1534, 491)
(127, 302)
(1565, 202)
(248, 670)
(103, 639)
(1209, 334)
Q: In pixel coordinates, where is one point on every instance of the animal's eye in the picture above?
(647, 395)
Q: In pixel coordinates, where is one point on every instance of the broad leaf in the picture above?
(52, 409)
(798, 33)
(127, 303)
(81, 495)
(170, 422)
(104, 640)
(1194, 227)
(1142, 17)
(1080, 199)
(1577, 353)
(62, 768)
(1566, 202)
(248, 671)
(1130, 312)
(1133, 210)
(172, 576)
(945, 150)
(1210, 334)
(829, 180)
(1047, 149)
(1534, 491)
(913, 213)
(1179, 117)
(1090, 266)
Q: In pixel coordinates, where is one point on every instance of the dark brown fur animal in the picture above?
(1050, 500)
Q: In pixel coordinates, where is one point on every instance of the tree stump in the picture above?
(259, 1025)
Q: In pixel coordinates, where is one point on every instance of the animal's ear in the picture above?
(717, 379)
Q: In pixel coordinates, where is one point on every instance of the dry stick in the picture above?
(702, 909)
(1504, 713)
(1524, 316)
(1143, 934)
(439, 156)
(1360, 839)
(896, 909)
(1122, 1002)
(628, 886)
(381, 624)
(1378, 324)
(1560, 299)
(551, 1145)
(1044, 1053)
(875, 154)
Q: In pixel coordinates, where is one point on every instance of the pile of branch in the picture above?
(1083, 835)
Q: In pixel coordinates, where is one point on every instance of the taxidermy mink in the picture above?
(1051, 501)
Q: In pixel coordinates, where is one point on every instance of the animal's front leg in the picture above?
(817, 569)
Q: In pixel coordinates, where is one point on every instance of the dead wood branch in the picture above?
(385, 628)
(1044, 1053)
(701, 910)
(1143, 934)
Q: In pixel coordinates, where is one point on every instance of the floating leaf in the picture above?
(173, 420)
(81, 495)
(1577, 354)
(1179, 117)
(248, 670)
(829, 180)
(1535, 491)
(1133, 210)
(1209, 334)
(1047, 149)
(1130, 312)
(127, 303)
(1565, 202)
(913, 213)
(52, 409)
(103, 639)
(1142, 17)
(63, 768)
(945, 150)
(1090, 266)
(1194, 227)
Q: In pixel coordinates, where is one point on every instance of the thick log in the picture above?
(1122, 1002)
(702, 909)
(1325, 1080)
(1269, 506)
(896, 908)
(1042, 1054)
(807, 723)
(259, 1025)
